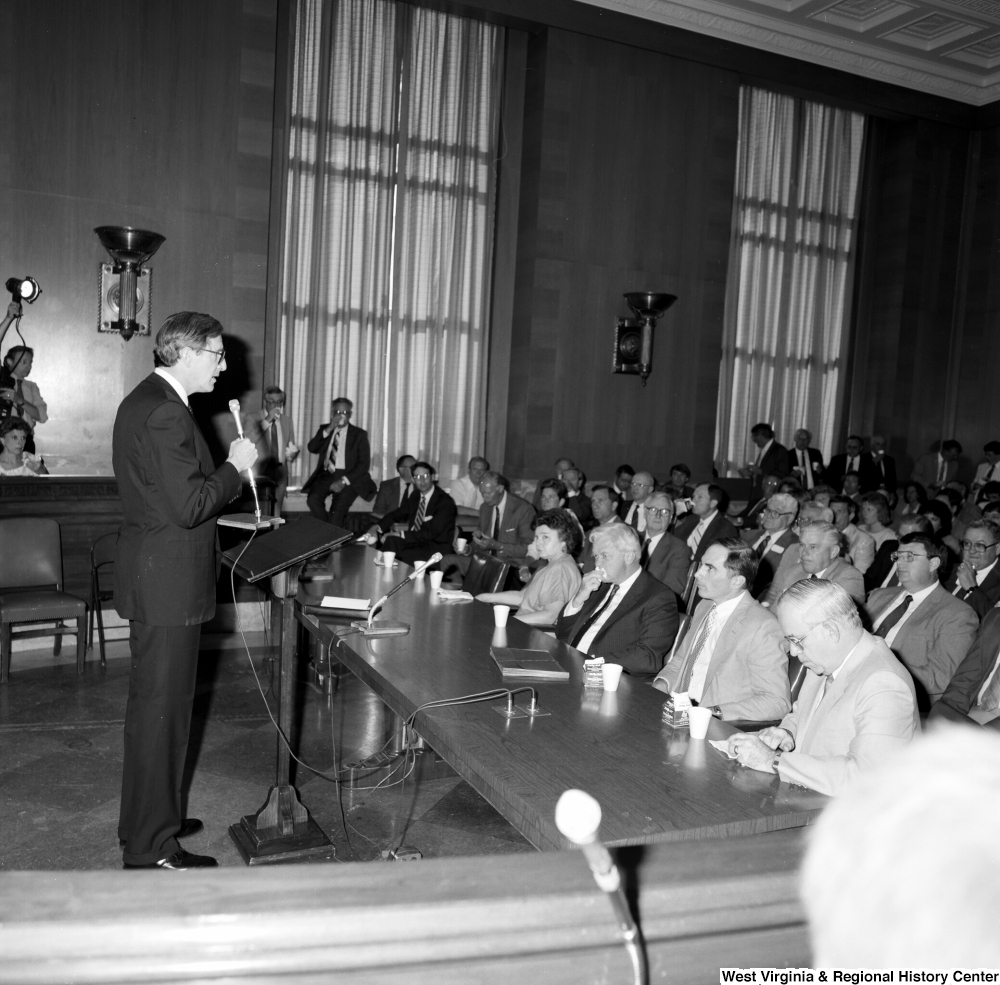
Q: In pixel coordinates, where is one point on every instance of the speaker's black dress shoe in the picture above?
(179, 860)
(189, 826)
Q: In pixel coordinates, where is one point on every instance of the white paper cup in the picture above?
(436, 577)
(420, 572)
(699, 717)
(388, 558)
(500, 613)
(460, 544)
(612, 674)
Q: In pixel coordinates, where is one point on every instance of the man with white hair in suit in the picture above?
(819, 557)
(857, 705)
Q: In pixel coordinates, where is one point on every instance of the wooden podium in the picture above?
(282, 830)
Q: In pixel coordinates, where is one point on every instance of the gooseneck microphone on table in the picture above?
(245, 521)
(388, 627)
(578, 818)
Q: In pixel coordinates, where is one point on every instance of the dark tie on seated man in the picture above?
(504, 528)
(729, 657)
(424, 524)
(857, 704)
(342, 470)
(620, 613)
(929, 629)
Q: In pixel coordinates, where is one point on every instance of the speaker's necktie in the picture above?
(588, 623)
(893, 617)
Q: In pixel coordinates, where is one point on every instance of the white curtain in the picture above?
(389, 226)
(790, 272)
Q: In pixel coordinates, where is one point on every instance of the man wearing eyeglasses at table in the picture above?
(927, 627)
(976, 580)
(856, 706)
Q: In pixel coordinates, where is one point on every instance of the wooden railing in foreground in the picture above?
(510, 918)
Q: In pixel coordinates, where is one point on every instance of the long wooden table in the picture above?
(654, 784)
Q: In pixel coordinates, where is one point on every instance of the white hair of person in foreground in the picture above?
(902, 869)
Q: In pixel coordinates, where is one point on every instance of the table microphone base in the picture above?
(248, 521)
(382, 627)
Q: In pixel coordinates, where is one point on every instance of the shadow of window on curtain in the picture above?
(388, 235)
(791, 263)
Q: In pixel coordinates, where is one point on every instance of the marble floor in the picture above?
(61, 754)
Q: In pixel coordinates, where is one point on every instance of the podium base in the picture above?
(305, 842)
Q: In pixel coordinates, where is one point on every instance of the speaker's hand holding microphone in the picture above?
(242, 451)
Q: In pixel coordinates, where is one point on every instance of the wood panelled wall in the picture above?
(626, 183)
(157, 115)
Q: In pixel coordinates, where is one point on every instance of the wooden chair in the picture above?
(31, 588)
(102, 553)
(485, 574)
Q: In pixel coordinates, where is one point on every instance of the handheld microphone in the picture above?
(234, 407)
(578, 818)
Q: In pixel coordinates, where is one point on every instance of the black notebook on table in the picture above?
(533, 665)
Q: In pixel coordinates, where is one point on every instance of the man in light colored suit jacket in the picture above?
(819, 550)
(665, 557)
(857, 704)
(730, 658)
(928, 629)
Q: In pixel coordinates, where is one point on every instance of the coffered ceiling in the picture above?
(946, 47)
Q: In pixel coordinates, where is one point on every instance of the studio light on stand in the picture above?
(130, 249)
(634, 336)
(23, 290)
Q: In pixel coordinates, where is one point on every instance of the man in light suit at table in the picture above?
(165, 575)
(927, 628)
(729, 658)
(856, 707)
(620, 613)
(819, 557)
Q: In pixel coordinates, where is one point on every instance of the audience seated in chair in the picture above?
(860, 546)
(465, 491)
(620, 612)
(730, 657)
(776, 537)
(976, 580)
(819, 557)
(664, 556)
(557, 538)
(604, 502)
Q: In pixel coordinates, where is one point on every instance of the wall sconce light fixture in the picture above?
(634, 336)
(120, 292)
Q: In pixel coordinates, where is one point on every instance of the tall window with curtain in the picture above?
(791, 260)
(389, 226)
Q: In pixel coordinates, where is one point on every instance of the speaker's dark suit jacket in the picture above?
(437, 531)
(983, 597)
(967, 681)
(638, 634)
(837, 469)
(165, 574)
(357, 459)
(171, 492)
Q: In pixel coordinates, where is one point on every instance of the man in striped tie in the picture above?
(857, 705)
(423, 524)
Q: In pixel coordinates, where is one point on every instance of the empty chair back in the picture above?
(30, 553)
(103, 551)
(485, 574)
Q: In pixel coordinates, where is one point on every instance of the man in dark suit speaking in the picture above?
(620, 613)
(344, 460)
(165, 574)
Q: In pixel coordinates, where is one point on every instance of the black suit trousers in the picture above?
(339, 505)
(157, 726)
